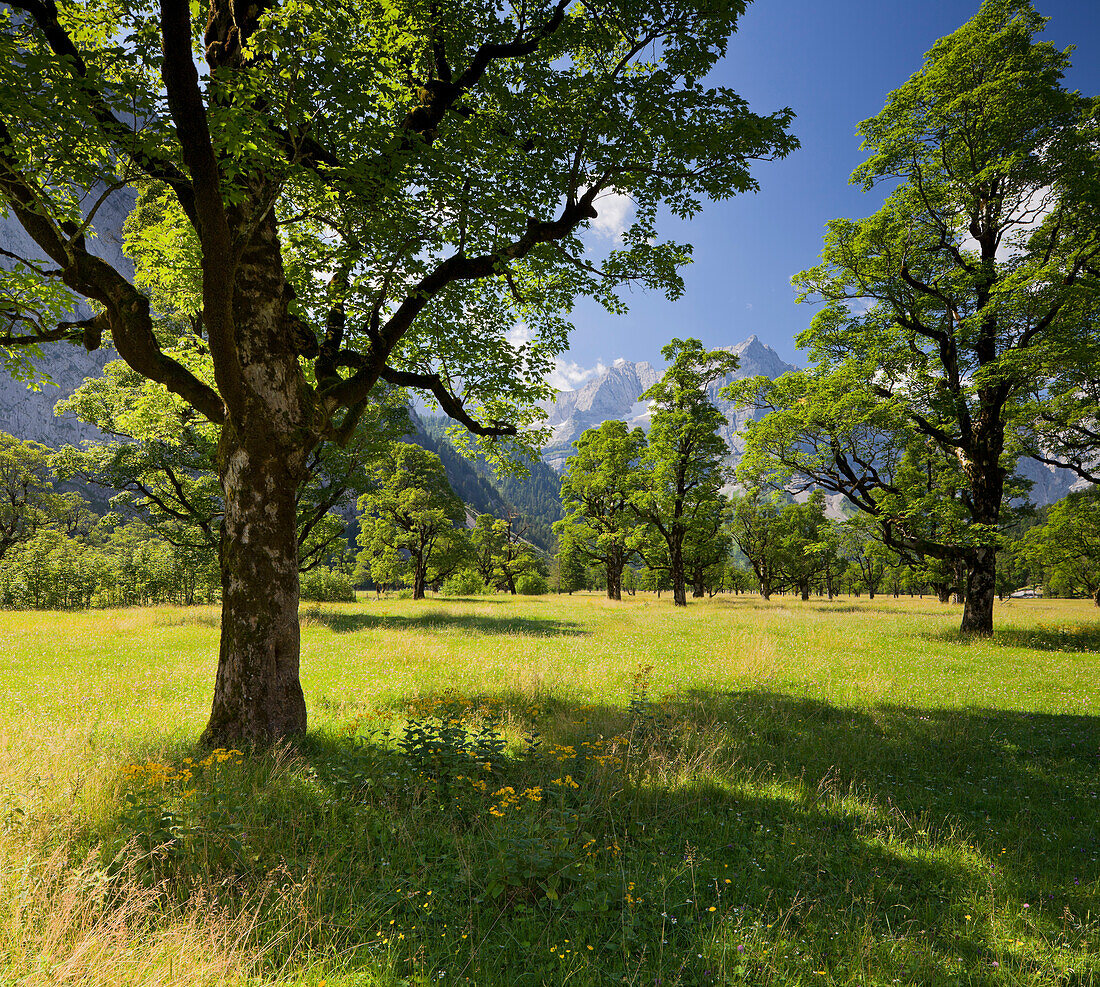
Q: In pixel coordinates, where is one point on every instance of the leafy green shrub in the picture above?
(465, 582)
(533, 584)
(323, 585)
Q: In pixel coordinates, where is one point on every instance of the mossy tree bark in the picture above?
(257, 694)
(263, 451)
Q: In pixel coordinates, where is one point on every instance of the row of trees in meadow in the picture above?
(957, 334)
(56, 552)
(958, 326)
(656, 498)
(412, 532)
(650, 512)
(156, 542)
(386, 221)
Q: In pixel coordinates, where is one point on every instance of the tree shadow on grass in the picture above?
(343, 622)
(1083, 638)
(712, 837)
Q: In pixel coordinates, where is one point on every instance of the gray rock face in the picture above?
(28, 413)
(612, 395)
(1049, 483)
(757, 360)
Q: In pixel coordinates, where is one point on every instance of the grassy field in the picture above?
(560, 790)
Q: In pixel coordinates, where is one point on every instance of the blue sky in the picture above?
(833, 62)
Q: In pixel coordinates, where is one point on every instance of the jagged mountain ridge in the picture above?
(614, 394)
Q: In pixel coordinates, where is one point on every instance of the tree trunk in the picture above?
(265, 442)
(804, 591)
(614, 575)
(418, 582)
(943, 593)
(1096, 596)
(676, 573)
(257, 696)
(698, 588)
(981, 582)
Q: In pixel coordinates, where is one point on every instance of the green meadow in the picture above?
(560, 790)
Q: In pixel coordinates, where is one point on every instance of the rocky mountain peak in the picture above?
(615, 393)
(758, 359)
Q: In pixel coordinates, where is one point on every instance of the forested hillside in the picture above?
(535, 497)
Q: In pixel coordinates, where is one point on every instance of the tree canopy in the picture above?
(408, 520)
(682, 470)
(596, 489)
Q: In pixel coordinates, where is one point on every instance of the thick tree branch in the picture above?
(127, 309)
(181, 82)
(455, 268)
(451, 404)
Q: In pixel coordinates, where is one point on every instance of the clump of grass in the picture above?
(69, 921)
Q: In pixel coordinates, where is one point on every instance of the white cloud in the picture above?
(519, 334)
(568, 375)
(615, 213)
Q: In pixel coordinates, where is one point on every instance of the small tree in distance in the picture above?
(681, 474)
(596, 490)
(572, 565)
(408, 521)
(27, 499)
(501, 554)
(1067, 547)
(755, 530)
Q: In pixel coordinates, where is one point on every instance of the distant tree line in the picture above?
(156, 541)
(651, 513)
(413, 532)
(653, 500)
(146, 527)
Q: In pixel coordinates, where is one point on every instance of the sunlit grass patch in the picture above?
(544, 791)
